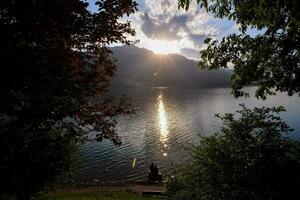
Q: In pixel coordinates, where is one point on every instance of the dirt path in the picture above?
(135, 188)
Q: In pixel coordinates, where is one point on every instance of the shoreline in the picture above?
(115, 187)
(137, 189)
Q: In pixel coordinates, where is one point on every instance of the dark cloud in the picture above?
(158, 29)
(166, 3)
(190, 53)
(198, 39)
(179, 21)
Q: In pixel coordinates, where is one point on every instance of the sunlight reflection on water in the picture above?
(162, 121)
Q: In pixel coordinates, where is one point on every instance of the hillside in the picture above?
(142, 67)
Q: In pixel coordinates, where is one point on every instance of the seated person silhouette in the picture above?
(154, 174)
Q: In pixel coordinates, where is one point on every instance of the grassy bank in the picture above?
(94, 196)
(108, 192)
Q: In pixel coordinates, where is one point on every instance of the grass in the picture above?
(94, 196)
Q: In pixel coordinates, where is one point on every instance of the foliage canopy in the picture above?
(271, 58)
(55, 70)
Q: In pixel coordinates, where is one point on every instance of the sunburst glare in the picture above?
(163, 46)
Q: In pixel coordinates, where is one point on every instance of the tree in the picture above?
(271, 59)
(55, 70)
(250, 158)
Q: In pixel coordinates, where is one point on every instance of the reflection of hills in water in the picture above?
(141, 67)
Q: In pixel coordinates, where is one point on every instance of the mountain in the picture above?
(142, 67)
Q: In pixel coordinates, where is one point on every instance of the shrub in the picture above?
(250, 158)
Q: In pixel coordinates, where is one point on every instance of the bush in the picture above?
(249, 159)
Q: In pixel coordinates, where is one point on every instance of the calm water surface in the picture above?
(166, 119)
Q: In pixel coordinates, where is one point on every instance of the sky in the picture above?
(163, 28)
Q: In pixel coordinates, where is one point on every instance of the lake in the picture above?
(166, 119)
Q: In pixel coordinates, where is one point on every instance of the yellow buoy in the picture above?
(133, 163)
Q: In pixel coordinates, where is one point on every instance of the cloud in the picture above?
(198, 39)
(162, 20)
(160, 29)
(175, 28)
(154, 30)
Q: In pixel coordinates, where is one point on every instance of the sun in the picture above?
(163, 46)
